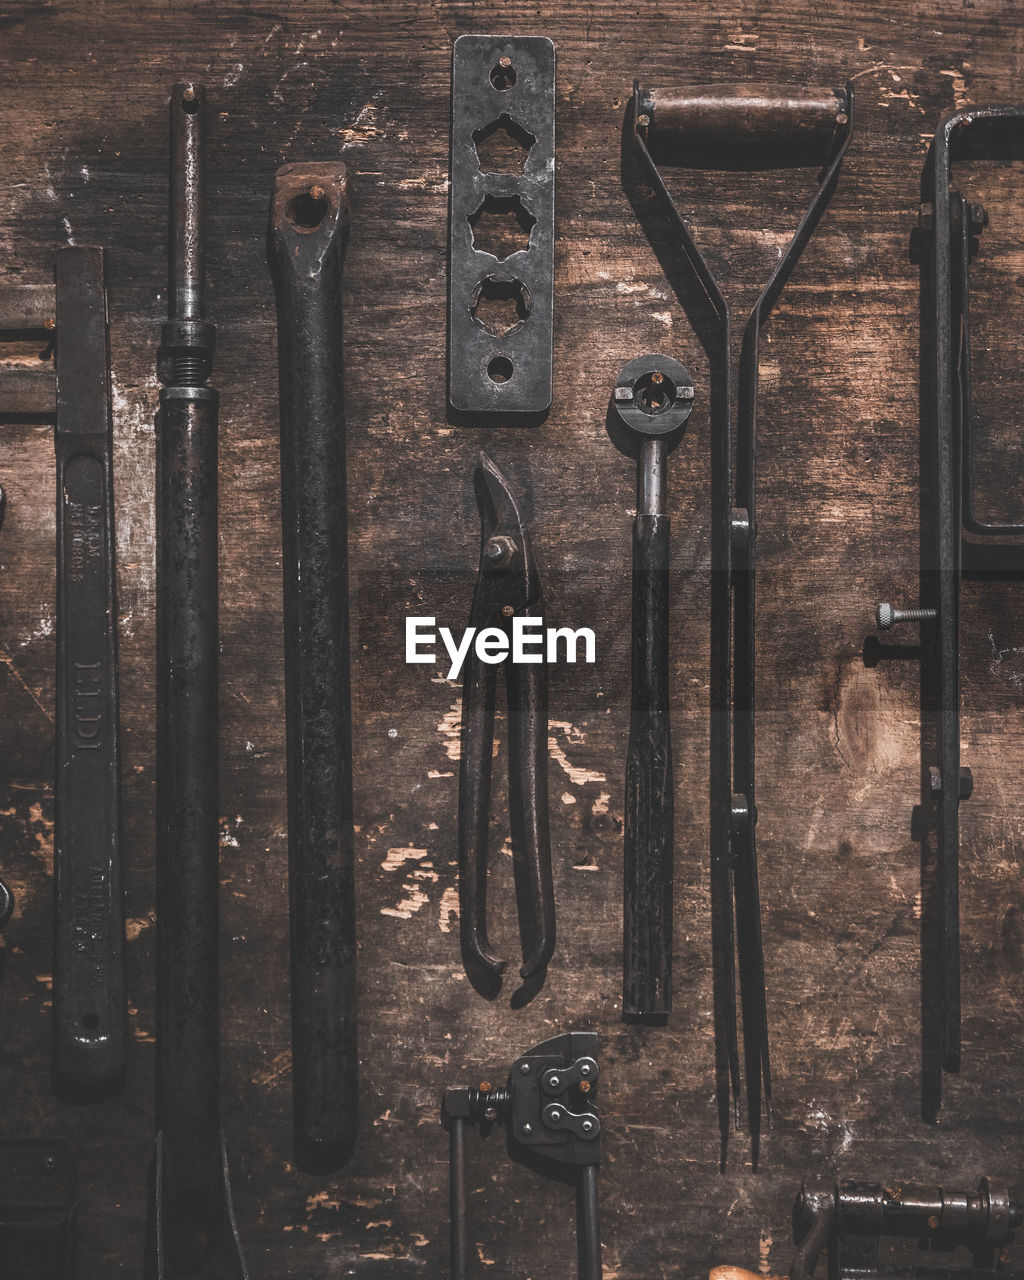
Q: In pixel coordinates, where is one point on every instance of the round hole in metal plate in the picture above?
(500, 369)
(503, 74)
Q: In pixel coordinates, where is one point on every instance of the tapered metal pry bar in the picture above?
(507, 587)
(748, 127)
(652, 399)
(89, 1008)
(192, 1230)
(309, 224)
(549, 1108)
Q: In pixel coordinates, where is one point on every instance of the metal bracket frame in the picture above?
(956, 223)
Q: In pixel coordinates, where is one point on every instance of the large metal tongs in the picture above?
(738, 127)
(507, 587)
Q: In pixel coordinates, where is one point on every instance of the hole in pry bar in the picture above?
(500, 369)
(503, 74)
(502, 226)
(503, 145)
(500, 306)
(90, 1021)
(308, 210)
(654, 393)
(190, 101)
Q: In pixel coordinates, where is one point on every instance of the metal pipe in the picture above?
(588, 1224)
(187, 802)
(309, 222)
(457, 1197)
(652, 477)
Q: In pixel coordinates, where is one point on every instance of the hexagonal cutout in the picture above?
(502, 226)
(500, 305)
(503, 145)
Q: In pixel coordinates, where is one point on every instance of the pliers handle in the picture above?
(507, 587)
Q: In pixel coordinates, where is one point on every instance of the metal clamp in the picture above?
(549, 1105)
(952, 224)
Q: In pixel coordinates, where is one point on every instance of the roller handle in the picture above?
(743, 116)
(649, 845)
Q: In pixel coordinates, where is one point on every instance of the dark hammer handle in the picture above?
(649, 847)
(89, 1010)
(745, 116)
(309, 221)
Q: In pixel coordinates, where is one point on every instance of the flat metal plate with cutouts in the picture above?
(501, 246)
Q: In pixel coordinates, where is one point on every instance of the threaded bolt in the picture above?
(886, 616)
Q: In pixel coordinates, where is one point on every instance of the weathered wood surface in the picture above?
(83, 138)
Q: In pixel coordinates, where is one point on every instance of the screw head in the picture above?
(883, 616)
(524, 1068)
(555, 1114)
(585, 1069)
(527, 1128)
(587, 1126)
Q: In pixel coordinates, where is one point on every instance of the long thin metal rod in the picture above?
(457, 1197)
(89, 1005)
(187, 803)
(309, 222)
(588, 1224)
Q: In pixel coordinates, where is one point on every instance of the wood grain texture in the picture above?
(83, 136)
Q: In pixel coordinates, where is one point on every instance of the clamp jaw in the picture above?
(548, 1105)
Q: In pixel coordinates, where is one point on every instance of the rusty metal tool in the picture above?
(549, 1109)
(507, 587)
(502, 227)
(68, 380)
(192, 1229)
(309, 227)
(741, 127)
(848, 1220)
(966, 542)
(652, 399)
(38, 1209)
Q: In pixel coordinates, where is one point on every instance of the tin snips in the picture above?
(507, 588)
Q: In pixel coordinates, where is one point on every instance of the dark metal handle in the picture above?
(528, 811)
(89, 1010)
(746, 115)
(457, 1197)
(309, 220)
(649, 847)
(588, 1225)
(478, 692)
